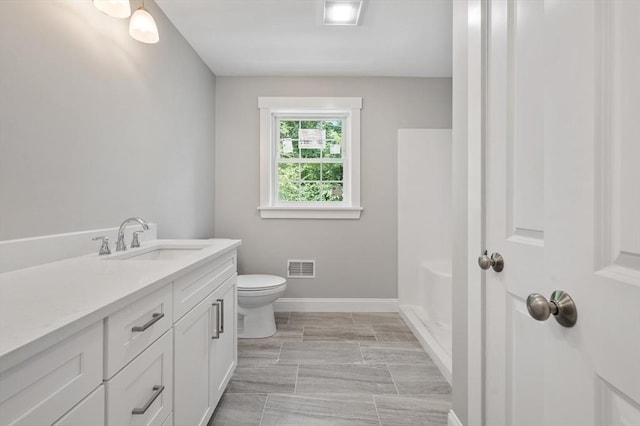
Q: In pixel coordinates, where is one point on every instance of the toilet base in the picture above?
(257, 322)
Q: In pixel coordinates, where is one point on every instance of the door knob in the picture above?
(561, 306)
(496, 261)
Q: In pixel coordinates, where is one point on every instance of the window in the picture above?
(310, 158)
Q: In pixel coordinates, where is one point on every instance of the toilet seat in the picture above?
(257, 282)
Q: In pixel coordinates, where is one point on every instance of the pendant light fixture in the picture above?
(114, 8)
(142, 27)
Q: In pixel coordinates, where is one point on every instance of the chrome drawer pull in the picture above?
(217, 327)
(154, 319)
(221, 315)
(157, 390)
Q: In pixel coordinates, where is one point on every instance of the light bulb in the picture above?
(142, 27)
(115, 8)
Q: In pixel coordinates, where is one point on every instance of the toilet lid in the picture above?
(259, 281)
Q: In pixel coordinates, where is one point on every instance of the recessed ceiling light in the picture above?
(342, 12)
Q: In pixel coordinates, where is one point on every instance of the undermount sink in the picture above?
(160, 252)
(163, 254)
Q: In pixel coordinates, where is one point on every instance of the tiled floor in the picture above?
(335, 369)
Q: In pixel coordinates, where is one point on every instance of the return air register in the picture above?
(301, 268)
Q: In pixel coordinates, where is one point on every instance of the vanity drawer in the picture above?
(144, 386)
(191, 288)
(41, 389)
(132, 329)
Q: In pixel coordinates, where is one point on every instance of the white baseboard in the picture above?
(453, 420)
(335, 305)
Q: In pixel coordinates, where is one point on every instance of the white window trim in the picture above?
(270, 107)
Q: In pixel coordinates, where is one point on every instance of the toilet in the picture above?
(256, 294)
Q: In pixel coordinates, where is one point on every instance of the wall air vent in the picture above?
(301, 268)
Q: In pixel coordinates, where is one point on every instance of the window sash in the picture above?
(342, 116)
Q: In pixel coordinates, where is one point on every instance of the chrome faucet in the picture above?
(120, 245)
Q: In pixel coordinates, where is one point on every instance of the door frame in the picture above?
(468, 124)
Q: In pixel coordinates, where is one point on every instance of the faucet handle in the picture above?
(135, 242)
(104, 248)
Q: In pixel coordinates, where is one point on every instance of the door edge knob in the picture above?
(561, 306)
(496, 261)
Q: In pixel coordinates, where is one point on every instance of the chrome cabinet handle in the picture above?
(561, 306)
(496, 261)
(221, 315)
(217, 327)
(154, 319)
(157, 390)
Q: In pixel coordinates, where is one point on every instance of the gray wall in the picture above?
(354, 258)
(96, 127)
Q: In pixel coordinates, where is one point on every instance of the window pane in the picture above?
(310, 191)
(310, 171)
(333, 129)
(289, 148)
(310, 124)
(289, 181)
(332, 191)
(310, 152)
(289, 129)
(332, 171)
(332, 150)
(289, 191)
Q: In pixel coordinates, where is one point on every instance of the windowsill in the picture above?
(293, 212)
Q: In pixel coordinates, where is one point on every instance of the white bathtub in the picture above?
(429, 316)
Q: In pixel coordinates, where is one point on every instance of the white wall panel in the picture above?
(96, 127)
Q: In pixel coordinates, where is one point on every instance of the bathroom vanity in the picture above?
(147, 336)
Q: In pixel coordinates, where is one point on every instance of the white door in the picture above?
(562, 188)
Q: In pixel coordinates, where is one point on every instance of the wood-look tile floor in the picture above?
(335, 369)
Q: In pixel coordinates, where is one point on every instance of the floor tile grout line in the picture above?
(295, 385)
(375, 405)
(264, 409)
(392, 378)
(361, 353)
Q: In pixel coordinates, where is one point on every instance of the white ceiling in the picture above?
(408, 38)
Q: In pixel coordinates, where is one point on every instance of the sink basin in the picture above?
(163, 254)
(162, 251)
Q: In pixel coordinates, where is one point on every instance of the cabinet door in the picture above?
(193, 345)
(41, 389)
(89, 412)
(225, 357)
(142, 393)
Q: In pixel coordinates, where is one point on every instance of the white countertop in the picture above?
(44, 304)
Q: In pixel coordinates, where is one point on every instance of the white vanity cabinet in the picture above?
(149, 357)
(205, 354)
